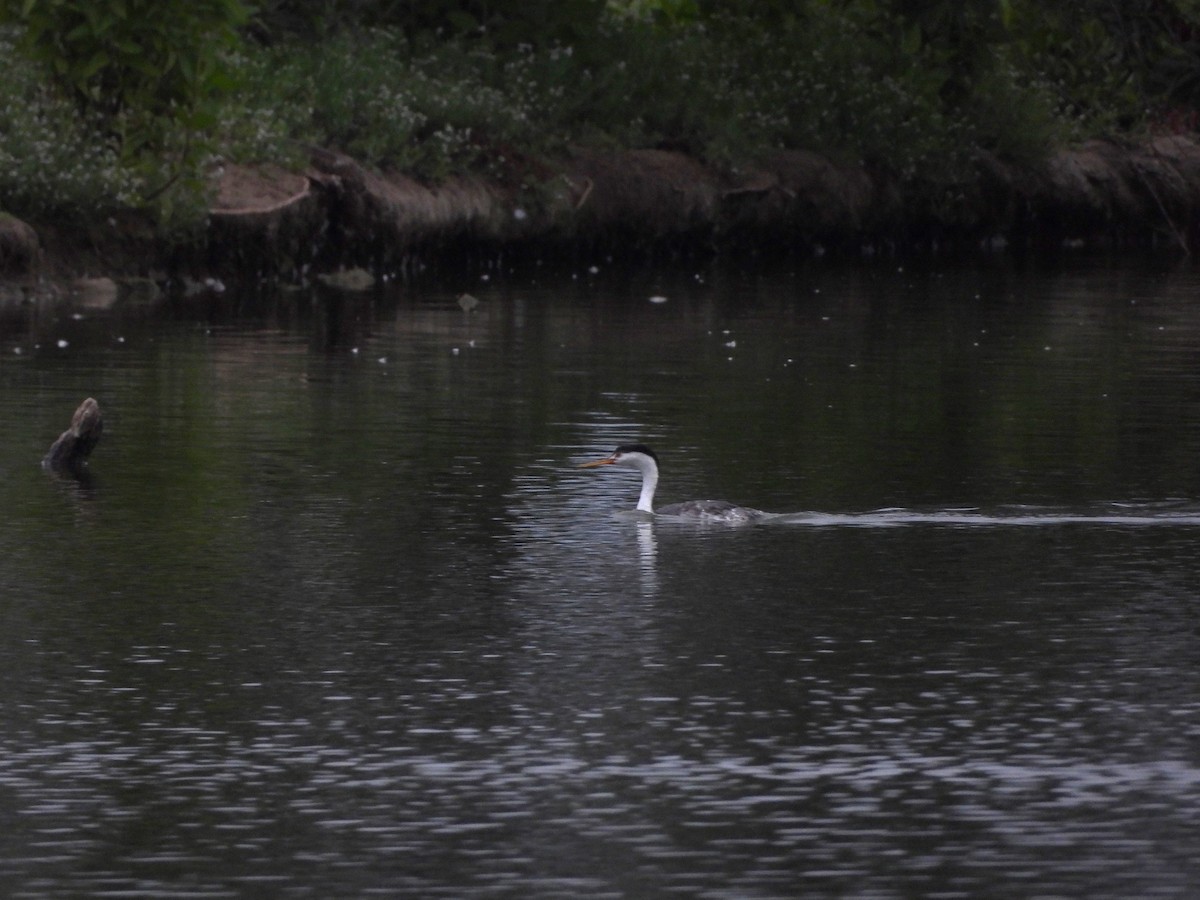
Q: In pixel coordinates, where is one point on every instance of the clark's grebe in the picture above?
(642, 458)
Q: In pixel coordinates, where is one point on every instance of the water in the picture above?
(335, 615)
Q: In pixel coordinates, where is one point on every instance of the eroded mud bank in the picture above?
(338, 213)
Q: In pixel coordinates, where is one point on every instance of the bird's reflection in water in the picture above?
(648, 558)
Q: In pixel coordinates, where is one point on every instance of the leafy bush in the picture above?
(376, 97)
(850, 81)
(51, 162)
(433, 87)
(505, 23)
(145, 77)
(116, 56)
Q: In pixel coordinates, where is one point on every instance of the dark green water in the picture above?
(334, 615)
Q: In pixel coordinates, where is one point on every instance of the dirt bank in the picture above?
(270, 221)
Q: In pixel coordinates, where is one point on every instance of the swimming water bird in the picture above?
(642, 458)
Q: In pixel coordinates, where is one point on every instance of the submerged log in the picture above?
(76, 444)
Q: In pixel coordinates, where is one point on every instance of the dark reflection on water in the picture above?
(337, 617)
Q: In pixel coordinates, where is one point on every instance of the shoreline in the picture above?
(270, 222)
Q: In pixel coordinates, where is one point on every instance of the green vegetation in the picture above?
(133, 87)
(108, 105)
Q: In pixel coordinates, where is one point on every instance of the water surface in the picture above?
(333, 613)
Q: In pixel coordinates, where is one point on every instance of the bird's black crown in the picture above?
(638, 448)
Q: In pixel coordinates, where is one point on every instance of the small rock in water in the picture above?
(348, 280)
(467, 302)
(192, 287)
(95, 293)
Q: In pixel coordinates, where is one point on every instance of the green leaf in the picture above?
(98, 61)
(462, 21)
(79, 32)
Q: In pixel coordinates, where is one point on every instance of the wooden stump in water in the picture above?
(76, 444)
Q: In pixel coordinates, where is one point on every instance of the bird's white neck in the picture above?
(649, 484)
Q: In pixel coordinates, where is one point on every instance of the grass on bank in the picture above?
(434, 107)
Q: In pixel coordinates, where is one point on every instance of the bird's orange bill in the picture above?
(607, 461)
